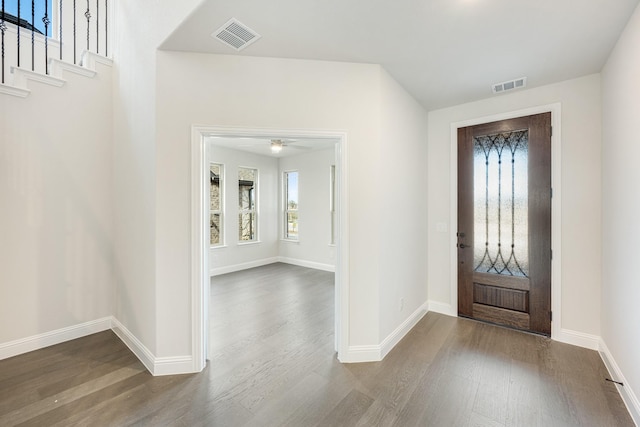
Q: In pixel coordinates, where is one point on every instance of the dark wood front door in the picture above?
(504, 222)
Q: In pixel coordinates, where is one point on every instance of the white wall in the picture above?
(399, 187)
(56, 219)
(232, 255)
(581, 196)
(314, 221)
(240, 91)
(313, 95)
(621, 206)
(143, 257)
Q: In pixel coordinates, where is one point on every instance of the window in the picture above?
(332, 203)
(11, 15)
(215, 211)
(247, 204)
(291, 205)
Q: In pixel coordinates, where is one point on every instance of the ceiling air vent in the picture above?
(510, 85)
(236, 35)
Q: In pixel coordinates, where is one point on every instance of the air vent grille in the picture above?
(509, 85)
(236, 35)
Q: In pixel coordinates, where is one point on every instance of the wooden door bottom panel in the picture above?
(502, 316)
(511, 299)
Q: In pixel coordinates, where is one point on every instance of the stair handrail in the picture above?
(61, 18)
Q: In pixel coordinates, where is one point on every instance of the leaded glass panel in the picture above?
(501, 243)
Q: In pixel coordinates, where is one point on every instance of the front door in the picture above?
(504, 222)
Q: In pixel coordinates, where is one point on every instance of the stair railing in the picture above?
(66, 20)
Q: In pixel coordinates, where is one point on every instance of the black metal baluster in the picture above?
(87, 14)
(97, 26)
(74, 32)
(60, 29)
(106, 28)
(46, 23)
(18, 36)
(3, 28)
(33, 35)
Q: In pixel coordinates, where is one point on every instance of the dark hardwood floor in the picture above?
(272, 364)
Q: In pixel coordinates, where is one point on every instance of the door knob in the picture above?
(462, 246)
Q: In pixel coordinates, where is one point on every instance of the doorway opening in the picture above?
(259, 142)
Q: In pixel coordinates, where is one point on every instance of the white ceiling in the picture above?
(444, 52)
(262, 146)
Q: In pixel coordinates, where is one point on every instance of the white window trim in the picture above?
(285, 206)
(256, 206)
(332, 205)
(221, 242)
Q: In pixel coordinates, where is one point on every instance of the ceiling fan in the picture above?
(276, 145)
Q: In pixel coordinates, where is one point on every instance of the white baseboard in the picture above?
(394, 337)
(375, 353)
(567, 336)
(146, 357)
(158, 366)
(308, 264)
(362, 353)
(173, 365)
(36, 342)
(628, 396)
(439, 307)
(242, 266)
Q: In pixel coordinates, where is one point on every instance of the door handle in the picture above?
(462, 246)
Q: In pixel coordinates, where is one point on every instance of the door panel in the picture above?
(504, 222)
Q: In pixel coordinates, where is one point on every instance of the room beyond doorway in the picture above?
(201, 177)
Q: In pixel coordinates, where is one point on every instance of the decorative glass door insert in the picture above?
(501, 203)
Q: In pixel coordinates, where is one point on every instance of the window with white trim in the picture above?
(216, 200)
(332, 203)
(290, 180)
(247, 204)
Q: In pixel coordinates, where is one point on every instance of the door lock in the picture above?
(461, 235)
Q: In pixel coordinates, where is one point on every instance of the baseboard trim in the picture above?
(362, 353)
(394, 337)
(157, 366)
(37, 342)
(580, 339)
(142, 353)
(173, 365)
(242, 266)
(442, 308)
(307, 264)
(628, 396)
(375, 353)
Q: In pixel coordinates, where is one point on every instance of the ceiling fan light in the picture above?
(276, 146)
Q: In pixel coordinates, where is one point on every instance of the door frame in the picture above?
(556, 217)
(200, 278)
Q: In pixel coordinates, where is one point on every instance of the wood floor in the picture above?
(272, 364)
